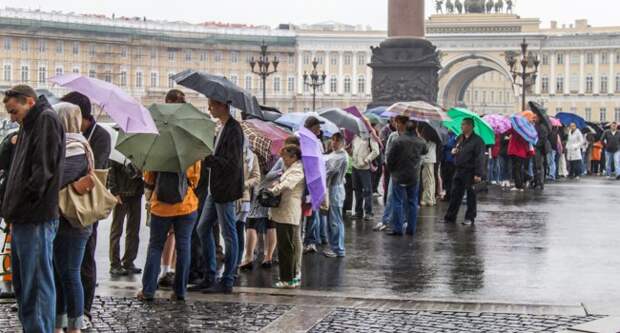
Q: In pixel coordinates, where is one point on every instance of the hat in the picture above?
(80, 100)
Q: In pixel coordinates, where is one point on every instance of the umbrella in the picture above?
(115, 155)
(51, 98)
(595, 129)
(499, 123)
(435, 132)
(126, 111)
(555, 122)
(541, 113)
(481, 127)
(373, 118)
(525, 129)
(186, 135)
(269, 113)
(354, 111)
(219, 88)
(567, 118)
(314, 166)
(419, 111)
(529, 115)
(296, 120)
(266, 139)
(345, 120)
(378, 111)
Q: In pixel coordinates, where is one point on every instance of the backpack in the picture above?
(171, 187)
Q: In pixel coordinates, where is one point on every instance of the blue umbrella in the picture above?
(567, 118)
(525, 129)
(296, 120)
(378, 111)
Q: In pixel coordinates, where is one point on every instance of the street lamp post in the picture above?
(314, 81)
(264, 68)
(527, 61)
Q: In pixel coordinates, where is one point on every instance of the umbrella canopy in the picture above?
(345, 120)
(378, 111)
(266, 139)
(555, 122)
(435, 132)
(269, 113)
(567, 118)
(418, 110)
(126, 111)
(354, 111)
(541, 113)
(221, 89)
(500, 124)
(529, 115)
(525, 129)
(595, 129)
(51, 98)
(314, 166)
(186, 135)
(481, 127)
(373, 118)
(296, 120)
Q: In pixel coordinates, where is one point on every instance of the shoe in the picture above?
(368, 217)
(218, 288)
(468, 222)
(310, 249)
(267, 264)
(577, 178)
(286, 285)
(86, 324)
(357, 217)
(394, 233)
(379, 227)
(166, 281)
(514, 189)
(296, 282)
(133, 270)
(330, 254)
(118, 271)
(446, 220)
(177, 298)
(247, 266)
(618, 178)
(200, 286)
(144, 298)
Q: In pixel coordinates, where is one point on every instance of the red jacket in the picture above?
(497, 147)
(517, 146)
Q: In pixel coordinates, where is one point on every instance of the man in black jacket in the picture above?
(101, 144)
(225, 187)
(469, 163)
(31, 205)
(611, 142)
(403, 162)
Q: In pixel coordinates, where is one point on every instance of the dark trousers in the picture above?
(575, 168)
(289, 247)
(363, 193)
(386, 184)
(130, 208)
(89, 271)
(447, 176)
(518, 171)
(463, 182)
(197, 263)
(539, 169)
(348, 198)
(596, 167)
(376, 178)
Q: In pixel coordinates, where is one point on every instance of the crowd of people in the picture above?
(221, 207)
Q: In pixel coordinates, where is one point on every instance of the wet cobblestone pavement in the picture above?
(361, 320)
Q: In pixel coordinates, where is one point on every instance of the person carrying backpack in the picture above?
(173, 203)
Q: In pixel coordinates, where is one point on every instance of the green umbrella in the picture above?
(481, 127)
(373, 118)
(186, 135)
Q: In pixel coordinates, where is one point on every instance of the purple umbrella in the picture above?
(126, 111)
(499, 123)
(314, 166)
(525, 129)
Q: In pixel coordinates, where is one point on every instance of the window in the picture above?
(76, 48)
(7, 72)
(334, 60)
(248, 83)
(603, 114)
(42, 75)
(59, 71)
(492, 97)
(361, 85)
(545, 59)
(306, 109)
(589, 58)
(484, 96)
(172, 54)
(347, 85)
(500, 97)
(153, 53)
(42, 46)
(124, 52)
(559, 85)
(25, 74)
(92, 50)
(588, 114)
(138, 79)
(218, 56)
(203, 56)
(276, 85)
(306, 87)
(7, 43)
(508, 98)
(154, 79)
(617, 114)
(604, 58)
(617, 57)
(319, 60)
(92, 73)
(188, 56)
(107, 76)
(306, 59)
(574, 59)
(76, 70)
(574, 83)
(361, 60)
(545, 85)
(475, 96)
(60, 47)
(604, 85)
(560, 58)
(24, 44)
(123, 79)
(558, 110)
(234, 79)
(589, 84)
(347, 59)
(291, 84)
(291, 58)
(234, 57)
(333, 85)
(171, 82)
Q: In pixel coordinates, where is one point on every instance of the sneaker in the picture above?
(379, 227)
(368, 217)
(202, 285)
(310, 249)
(118, 271)
(394, 233)
(86, 324)
(218, 288)
(618, 178)
(133, 269)
(514, 189)
(166, 281)
(577, 178)
(286, 285)
(330, 254)
(468, 222)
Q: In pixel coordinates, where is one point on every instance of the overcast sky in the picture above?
(273, 12)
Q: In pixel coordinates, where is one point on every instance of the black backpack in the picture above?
(171, 187)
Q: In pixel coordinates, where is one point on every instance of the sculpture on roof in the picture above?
(449, 7)
(490, 6)
(499, 6)
(459, 6)
(509, 5)
(439, 6)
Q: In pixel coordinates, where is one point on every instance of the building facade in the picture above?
(579, 71)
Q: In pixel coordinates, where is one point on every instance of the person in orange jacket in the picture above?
(597, 151)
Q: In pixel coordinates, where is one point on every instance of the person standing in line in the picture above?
(314, 228)
(404, 161)
(447, 166)
(553, 153)
(541, 148)
(518, 150)
(469, 163)
(252, 177)
(597, 149)
(428, 170)
(574, 146)
(611, 142)
(226, 185)
(101, 144)
(125, 182)
(365, 150)
(336, 167)
(30, 205)
(384, 135)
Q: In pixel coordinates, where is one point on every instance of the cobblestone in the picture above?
(383, 321)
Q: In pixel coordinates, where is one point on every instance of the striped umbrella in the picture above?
(418, 110)
(525, 129)
(266, 140)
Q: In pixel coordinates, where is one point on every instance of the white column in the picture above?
(326, 61)
(354, 78)
(552, 78)
(582, 74)
(368, 74)
(300, 72)
(610, 78)
(597, 76)
(567, 66)
(340, 73)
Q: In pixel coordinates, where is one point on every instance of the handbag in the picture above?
(267, 199)
(87, 200)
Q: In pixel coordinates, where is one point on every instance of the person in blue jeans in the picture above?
(30, 205)
(179, 213)
(611, 142)
(336, 168)
(226, 185)
(404, 162)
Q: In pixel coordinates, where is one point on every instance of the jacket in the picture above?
(573, 146)
(597, 149)
(190, 202)
(543, 144)
(34, 177)
(405, 159)
(226, 164)
(517, 146)
(252, 178)
(291, 188)
(336, 164)
(75, 167)
(611, 141)
(125, 181)
(364, 152)
(101, 144)
(470, 155)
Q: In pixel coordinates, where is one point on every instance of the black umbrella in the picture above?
(270, 114)
(595, 129)
(220, 89)
(541, 112)
(435, 132)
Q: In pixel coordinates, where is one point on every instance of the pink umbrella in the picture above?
(276, 134)
(555, 122)
(126, 111)
(499, 123)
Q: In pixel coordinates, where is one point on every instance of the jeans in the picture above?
(323, 227)
(89, 271)
(335, 224)
(33, 274)
(387, 211)
(363, 192)
(183, 226)
(398, 196)
(69, 251)
(313, 229)
(615, 157)
(493, 168)
(222, 214)
(552, 168)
